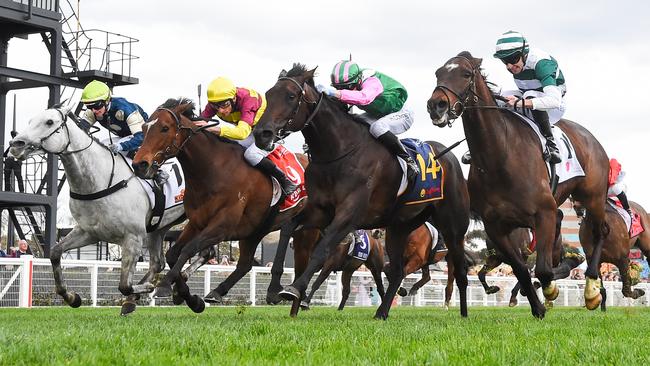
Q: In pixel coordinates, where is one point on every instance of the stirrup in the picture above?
(466, 158)
(552, 156)
(161, 177)
(412, 169)
(288, 187)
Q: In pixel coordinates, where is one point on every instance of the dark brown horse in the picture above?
(618, 244)
(353, 182)
(225, 198)
(339, 260)
(508, 180)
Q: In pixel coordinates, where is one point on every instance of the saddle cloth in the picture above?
(173, 189)
(289, 164)
(428, 186)
(360, 249)
(569, 167)
(633, 225)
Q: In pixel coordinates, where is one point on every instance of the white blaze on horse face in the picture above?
(450, 67)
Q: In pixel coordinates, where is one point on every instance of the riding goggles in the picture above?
(96, 105)
(512, 59)
(220, 105)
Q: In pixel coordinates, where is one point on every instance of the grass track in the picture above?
(266, 335)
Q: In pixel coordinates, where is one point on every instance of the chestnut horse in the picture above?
(618, 244)
(508, 181)
(353, 182)
(225, 198)
(339, 260)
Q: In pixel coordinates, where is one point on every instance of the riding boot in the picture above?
(270, 169)
(466, 158)
(395, 146)
(552, 152)
(622, 197)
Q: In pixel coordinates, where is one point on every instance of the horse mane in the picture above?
(172, 103)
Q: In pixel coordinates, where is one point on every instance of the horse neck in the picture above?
(333, 133)
(206, 159)
(90, 170)
(485, 128)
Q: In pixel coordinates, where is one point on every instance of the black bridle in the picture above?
(288, 126)
(463, 99)
(64, 118)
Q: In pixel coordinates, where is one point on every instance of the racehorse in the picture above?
(509, 185)
(353, 182)
(225, 198)
(109, 206)
(618, 244)
(340, 260)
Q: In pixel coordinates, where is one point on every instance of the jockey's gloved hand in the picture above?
(326, 89)
(115, 148)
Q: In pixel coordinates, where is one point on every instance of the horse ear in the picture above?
(477, 62)
(312, 72)
(283, 73)
(182, 108)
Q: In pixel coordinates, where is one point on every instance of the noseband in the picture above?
(282, 133)
(462, 99)
(168, 150)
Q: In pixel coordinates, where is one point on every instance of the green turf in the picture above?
(266, 335)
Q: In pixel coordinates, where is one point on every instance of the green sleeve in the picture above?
(546, 71)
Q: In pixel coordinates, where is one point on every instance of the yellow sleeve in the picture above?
(239, 132)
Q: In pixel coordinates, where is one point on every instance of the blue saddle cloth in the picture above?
(361, 249)
(428, 186)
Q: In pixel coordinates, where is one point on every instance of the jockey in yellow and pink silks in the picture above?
(241, 108)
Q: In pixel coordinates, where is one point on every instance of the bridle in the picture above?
(288, 126)
(64, 118)
(462, 99)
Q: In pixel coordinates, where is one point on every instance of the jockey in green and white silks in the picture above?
(540, 82)
(382, 98)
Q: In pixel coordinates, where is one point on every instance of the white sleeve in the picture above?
(551, 99)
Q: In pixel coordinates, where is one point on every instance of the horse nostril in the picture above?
(140, 166)
(17, 143)
(442, 105)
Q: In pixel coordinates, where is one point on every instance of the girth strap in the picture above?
(100, 194)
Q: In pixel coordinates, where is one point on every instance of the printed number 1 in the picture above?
(424, 170)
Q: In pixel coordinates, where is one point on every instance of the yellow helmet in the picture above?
(95, 91)
(221, 89)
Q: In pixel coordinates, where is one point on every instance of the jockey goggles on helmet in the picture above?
(222, 104)
(512, 59)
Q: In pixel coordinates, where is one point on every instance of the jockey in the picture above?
(241, 108)
(616, 187)
(540, 82)
(119, 116)
(382, 98)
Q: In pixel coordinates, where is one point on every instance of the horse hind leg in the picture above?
(600, 229)
(275, 286)
(426, 277)
(324, 273)
(77, 238)
(491, 263)
(346, 278)
(623, 265)
(247, 249)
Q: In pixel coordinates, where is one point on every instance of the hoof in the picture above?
(381, 316)
(273, 298)
(162, 292)
(513, 303)
(196, 304)
(76, 301)
(177, 299)
(446, 305)
(639, 293)
(548, 305)
(213, 298)
(492, 290)
(551, 292)
(593, 303)
(304, 305)
(295, 307)
(539, 314)
(127, 308)
(402, 292)
(290, 293)
(413, 291)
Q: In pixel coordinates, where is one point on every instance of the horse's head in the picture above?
(290, 106)
(164, 135)
(454, 90)
(43, 134)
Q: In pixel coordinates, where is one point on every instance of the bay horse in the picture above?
(225, 199)
(339, 260)
(118, 217)
(618, 244)
(353, 182)
(508, 181)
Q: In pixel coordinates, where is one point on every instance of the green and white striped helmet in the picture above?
(510, 43)
(345, 74)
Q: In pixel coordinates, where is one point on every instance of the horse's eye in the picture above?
(164, 129)
(292, 96)
(467, 75)
(49, 122)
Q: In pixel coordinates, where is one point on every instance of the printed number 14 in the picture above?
(433, 168)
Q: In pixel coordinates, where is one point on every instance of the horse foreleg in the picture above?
(426, 277)
(131, 248)
(247, 249)
(324, 273)
(457, 250)
(277, 269)
(153, 242)
(545, 221)
(396, 239)
(513, 295)
(376, 265)
(596, 215)
(449, 288)
(346, 278)
(623, 265)
(491, 263)
(77, 238)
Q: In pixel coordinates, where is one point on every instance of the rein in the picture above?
(168, 150)
(282, 133)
